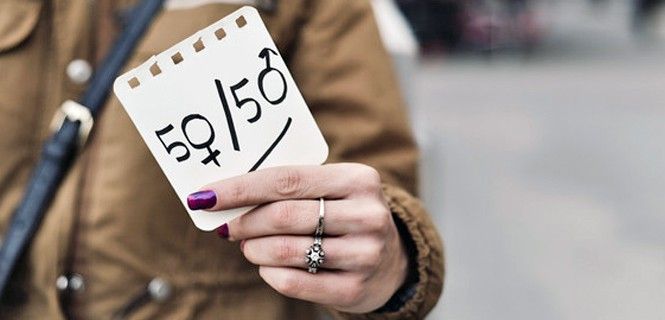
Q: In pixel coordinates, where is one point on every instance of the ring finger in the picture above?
(289, 251)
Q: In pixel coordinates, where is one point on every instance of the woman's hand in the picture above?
(365, 260)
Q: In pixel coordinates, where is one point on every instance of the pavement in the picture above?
(546, 173)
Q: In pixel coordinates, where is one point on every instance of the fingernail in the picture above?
(223, 231)
(201, 200)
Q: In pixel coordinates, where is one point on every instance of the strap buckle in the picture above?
(74, 111)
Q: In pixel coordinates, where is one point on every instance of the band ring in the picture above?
(315, 255)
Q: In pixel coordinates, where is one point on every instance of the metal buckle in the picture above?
(74, 112)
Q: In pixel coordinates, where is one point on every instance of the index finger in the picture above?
(333, 181)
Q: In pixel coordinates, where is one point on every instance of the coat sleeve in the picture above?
(347, 79)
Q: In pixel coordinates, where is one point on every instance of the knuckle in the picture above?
(354, 293)
(367, 178)
(284, 250)
(283, 218)
(289, 285)
(377, 220)
(384, 223)
(373, 177)
(371, 257)
(289, 182)
(239, 193)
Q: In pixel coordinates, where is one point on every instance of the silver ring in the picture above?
(314, 256)
(322, 213)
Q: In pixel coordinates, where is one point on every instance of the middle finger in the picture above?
(295, 217)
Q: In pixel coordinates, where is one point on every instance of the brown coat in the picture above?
(116, 221)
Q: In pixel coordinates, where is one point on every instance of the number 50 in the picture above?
(212, 154)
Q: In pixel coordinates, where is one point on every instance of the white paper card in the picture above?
(219, 104)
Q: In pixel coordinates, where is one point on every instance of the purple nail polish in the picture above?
(202, 200)
(223, 231)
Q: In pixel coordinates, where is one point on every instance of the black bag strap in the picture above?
(75, 122)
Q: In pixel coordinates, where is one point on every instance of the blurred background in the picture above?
(542, 125)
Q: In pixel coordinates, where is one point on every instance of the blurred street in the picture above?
(546, 173)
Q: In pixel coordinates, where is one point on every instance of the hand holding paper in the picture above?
(219, 104)
(221, 114)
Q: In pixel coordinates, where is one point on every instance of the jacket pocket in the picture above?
(18, 19)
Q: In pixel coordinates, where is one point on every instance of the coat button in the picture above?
(79, 71)
(73, 283)
(62, 283)
(159, 289)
